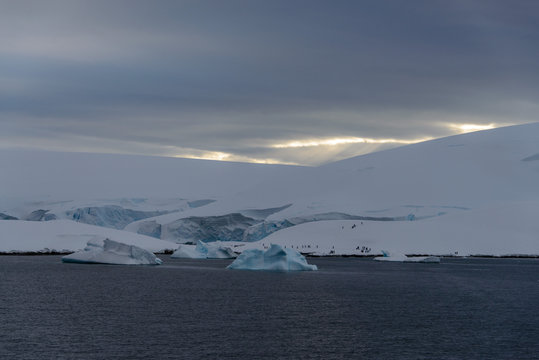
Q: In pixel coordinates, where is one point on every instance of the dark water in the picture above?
(189, 309)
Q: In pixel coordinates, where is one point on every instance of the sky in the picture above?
(292, 82)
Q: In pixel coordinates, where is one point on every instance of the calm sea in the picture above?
(194, 309)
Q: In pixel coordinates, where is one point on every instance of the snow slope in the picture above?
(445, 175)
(498, 230)
(58, 176)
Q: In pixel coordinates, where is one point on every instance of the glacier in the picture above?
(276, 258)
(107, 251)
(111, 216)
(202, 250)
(229, 227)
(235, 226)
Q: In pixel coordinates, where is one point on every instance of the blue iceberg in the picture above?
(106, 251)
(275, 258)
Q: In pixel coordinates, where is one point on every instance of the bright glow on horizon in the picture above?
(222, 156)
(343, 141)
(464, 128)
(334, 142)
(210, 155)
(311, 151)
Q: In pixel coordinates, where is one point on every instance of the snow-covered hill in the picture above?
(437, 178)
(440, 184)
(445, 175)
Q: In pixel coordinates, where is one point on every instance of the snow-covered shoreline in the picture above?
(169, 252)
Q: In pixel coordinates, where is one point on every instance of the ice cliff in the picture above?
(228, 227)
(115, 217)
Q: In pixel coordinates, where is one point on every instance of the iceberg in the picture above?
(185, 251)
(275, 258)
(403, 258)
(107, 251)
(204, 251)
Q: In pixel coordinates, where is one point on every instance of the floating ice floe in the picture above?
(403, 258)
(202, 250)
(275, 258)
(106, 251)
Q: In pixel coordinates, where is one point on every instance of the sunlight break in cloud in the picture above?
(223, 156)
(343, 141)
(464, 128)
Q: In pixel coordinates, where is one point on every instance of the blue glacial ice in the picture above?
(106, 251)
(111, 216)
(275, 258)
(214, 250)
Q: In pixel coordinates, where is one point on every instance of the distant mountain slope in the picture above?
(47, 175)
(445, 175)
(464, 171)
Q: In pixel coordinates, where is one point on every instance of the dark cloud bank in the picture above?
(210, 78)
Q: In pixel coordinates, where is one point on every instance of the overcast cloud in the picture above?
(233, 79)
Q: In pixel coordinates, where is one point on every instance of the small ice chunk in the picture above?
(106, 251)
(202, 250)
(386, 256)
(403, 258)
(275, 258)
(424, 259)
